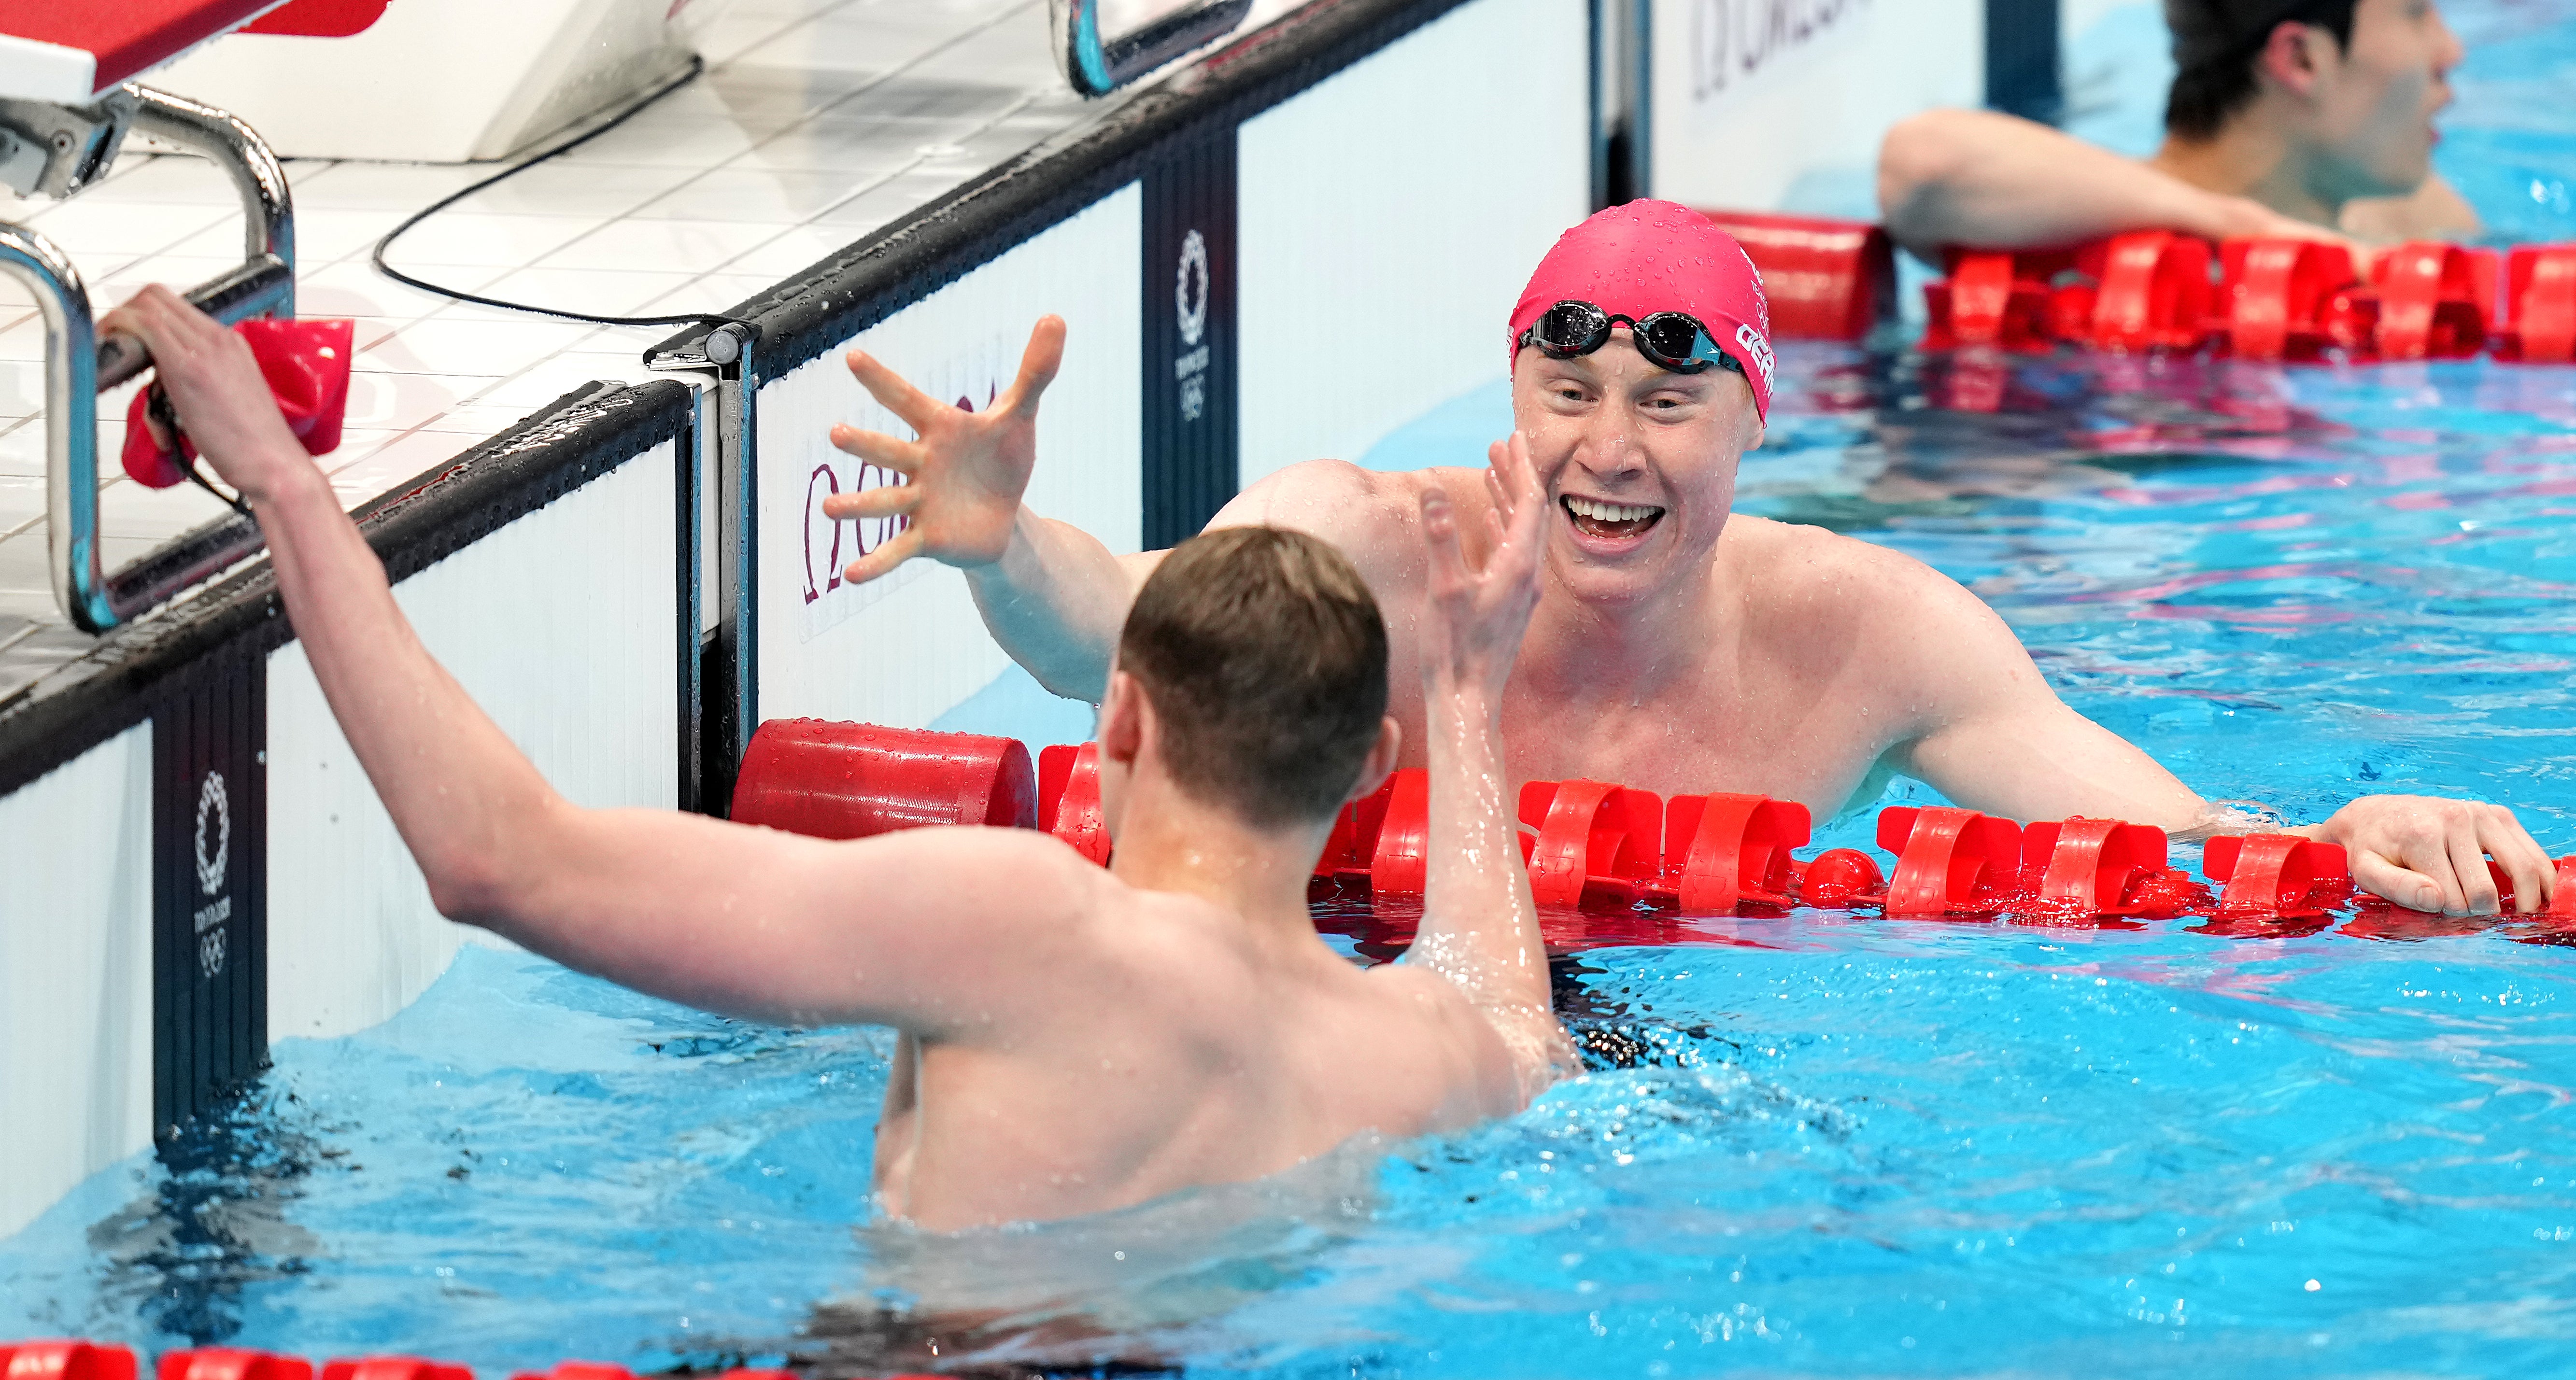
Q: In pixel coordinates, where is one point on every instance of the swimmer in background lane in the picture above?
(1074, 1039)
(1676, 648)
(2287, 118)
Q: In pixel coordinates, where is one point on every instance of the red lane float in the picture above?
(1587, 844)
(231, 1363)
(2538, 306)
(1595, 842)
(2276, 874)
(65, 1360)
(847, 781)
(2259, 299)
(1069, 799)
(1824, 279)
(1721, 850)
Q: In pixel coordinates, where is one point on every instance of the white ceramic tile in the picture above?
(130, 510)
(399, 402)
(24, 341)
(568, 188)
(86, 228)
(22, 448)
(403, 187)
(690, 246)
(767, 196)
(170, 179)
(534, 388)
(353, 287)
(22, 497)
(396, 462)
(789, 252)
(714, 292)
(597, 291)
(462, 237)
(444, 345)
(890, 200)
(694, 143)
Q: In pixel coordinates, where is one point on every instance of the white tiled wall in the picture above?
(817, 122)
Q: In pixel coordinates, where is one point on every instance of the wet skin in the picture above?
(1676, 646)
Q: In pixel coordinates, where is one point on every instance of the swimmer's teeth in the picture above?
(1609, 512)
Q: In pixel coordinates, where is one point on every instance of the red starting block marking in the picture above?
(65, 1360)
(1723, 849)
(1593, 838)
(2276, 874)
(230, 1363)
(1069, 799)
(1948, 859)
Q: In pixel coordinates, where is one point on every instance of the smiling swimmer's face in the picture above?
(1638, 463)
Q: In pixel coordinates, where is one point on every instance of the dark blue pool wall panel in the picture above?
(2022, 59)
(1188, 347)
(209, 886)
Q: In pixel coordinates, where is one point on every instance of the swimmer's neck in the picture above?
(1167, 841)
(1578, 649)
(2254, 158)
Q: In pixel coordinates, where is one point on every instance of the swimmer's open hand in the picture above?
(964, 473)
(223, 401)
(1477, 617)
(2430, 854)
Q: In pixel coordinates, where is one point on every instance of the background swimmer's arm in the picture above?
(1981, 178)
(938, 931)
(1479, 926)
(1052, 594)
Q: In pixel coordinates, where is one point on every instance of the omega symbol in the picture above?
(1190, 293)
(213, 803)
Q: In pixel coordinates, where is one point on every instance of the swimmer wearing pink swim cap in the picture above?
(1678, 646)
(1683, 288)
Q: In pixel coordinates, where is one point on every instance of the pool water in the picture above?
(1812, 1144)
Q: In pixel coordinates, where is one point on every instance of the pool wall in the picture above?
(149, 951)
(1289, 249)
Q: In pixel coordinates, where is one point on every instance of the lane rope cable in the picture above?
(697, 66)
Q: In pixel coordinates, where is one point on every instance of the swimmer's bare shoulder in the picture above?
(1371, 516)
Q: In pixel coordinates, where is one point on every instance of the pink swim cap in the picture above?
(1650, 256)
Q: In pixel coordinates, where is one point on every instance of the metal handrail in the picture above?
(77, 366)
(1096, 66)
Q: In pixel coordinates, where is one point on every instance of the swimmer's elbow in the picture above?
(466, 888)
(1920, 153)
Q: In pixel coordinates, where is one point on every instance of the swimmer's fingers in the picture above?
(1038, 365)
(2535, 876)
(1449, 574)
(905, 545)
(877, 448)
(919, 410)
(1528, 504)
(2475, 885)
(883, 501)
(2386, 877)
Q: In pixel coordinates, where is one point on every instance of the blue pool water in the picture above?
(1809, 1145)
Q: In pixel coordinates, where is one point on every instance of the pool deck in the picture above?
(816, 123)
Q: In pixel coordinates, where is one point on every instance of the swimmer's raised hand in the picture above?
(215, 386)
(1478, 615)
(965, 471)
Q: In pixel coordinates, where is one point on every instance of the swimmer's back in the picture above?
(1174, 1044)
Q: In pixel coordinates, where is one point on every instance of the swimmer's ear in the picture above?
(1380, 762)
(1122, 711)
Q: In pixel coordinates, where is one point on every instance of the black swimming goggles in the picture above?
(1668, 339)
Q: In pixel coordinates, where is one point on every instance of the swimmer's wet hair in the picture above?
(2216, 45)
(1265, 659)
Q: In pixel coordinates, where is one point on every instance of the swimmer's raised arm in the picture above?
(1052, 594)
(737, 920)
(1996, 181)
(1479, 926)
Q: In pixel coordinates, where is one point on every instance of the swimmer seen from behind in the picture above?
(1073, 1039)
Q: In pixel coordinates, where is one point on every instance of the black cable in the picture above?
(697, 65)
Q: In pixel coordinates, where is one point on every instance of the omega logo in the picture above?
(215, 817)
(824, 558)
(1190, 298)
